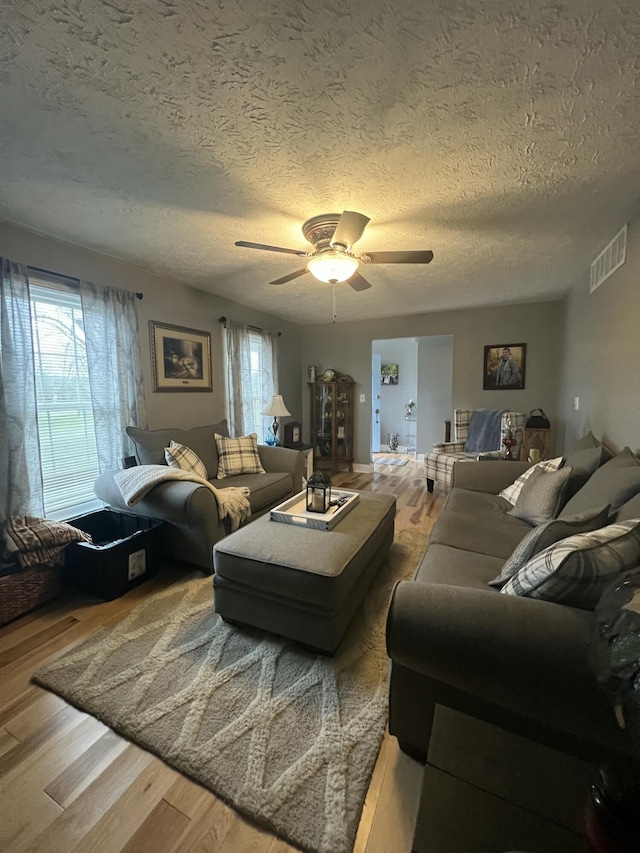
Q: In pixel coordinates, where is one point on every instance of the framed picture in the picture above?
(389, 374)
(504, 367)
(180, 358)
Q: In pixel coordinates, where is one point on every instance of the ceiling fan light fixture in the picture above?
(332, 266)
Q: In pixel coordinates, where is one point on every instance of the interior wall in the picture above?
(601, 354)
(346, 347)
(166, 301)
(435, 389)
(404, 353)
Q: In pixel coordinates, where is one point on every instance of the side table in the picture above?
(307, 449)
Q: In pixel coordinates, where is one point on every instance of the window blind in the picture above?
(65, 417)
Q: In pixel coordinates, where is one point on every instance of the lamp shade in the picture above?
(333, 266)
(275, 407)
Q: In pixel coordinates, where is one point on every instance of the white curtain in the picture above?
(115, 371)
(20, 476)
(241, 387)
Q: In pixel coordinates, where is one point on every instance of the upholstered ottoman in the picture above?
(302, 583)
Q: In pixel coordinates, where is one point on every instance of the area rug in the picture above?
(287, 737)
(391, 460)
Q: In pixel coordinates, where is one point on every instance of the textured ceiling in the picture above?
(503, 136)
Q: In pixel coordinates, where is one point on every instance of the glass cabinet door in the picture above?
(343, 422)
(324, 420)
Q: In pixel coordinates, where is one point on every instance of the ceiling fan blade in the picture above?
(349, 229)
(245, 245)
(290, 277)
(358, 282)
(418, 257)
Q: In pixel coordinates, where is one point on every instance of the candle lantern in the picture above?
(318, 492)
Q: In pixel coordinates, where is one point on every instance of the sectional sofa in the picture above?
(521, 662)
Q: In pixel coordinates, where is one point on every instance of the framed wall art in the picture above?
(504, 367)
(180, 358)
(389, 374)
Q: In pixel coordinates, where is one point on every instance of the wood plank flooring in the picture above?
(68, 783)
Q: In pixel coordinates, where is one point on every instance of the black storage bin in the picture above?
(125, 552)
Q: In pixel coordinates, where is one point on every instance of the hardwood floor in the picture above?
(68, 783)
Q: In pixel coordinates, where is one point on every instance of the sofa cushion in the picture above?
(615, 482)
(547, 534)
(576, 570)
(542, 495)
(179, 456)
(587, 440)
(150, 443)
(630, 509)
(478, 522)
(264, 489)
(511, 492)
(238, 455)
(444, 564)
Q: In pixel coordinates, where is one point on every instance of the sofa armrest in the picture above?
(449, 447)
(488, 644)
(483, 477)
(285, 460)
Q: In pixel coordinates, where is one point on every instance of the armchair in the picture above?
(439, 463)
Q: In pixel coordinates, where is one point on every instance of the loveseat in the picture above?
(521, 663)
(190, 508)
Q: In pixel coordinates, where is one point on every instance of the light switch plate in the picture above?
(363, 398)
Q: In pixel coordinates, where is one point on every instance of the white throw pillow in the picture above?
(179, 456)
(512, 492)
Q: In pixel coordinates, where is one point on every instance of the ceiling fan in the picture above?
(332, 236)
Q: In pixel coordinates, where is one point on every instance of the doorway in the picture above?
(411, 395)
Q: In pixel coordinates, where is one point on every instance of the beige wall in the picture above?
(601, 355)
(166, 301)
(346, 347)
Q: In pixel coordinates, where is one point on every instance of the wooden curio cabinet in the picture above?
(332, 405)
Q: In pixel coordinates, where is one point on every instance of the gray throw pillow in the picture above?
(547, 534)
(584, 462)
(615, 482)
(542, 495)
(576, 570)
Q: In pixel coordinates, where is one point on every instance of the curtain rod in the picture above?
(223, 321)
(137, 293)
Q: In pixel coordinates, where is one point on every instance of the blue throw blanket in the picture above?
(484, 430)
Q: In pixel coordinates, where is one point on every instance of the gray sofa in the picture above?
(517, 662)
(189, 508)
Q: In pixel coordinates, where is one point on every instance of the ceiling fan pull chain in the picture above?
(333, 302)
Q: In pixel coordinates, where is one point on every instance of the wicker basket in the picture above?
(26, 589)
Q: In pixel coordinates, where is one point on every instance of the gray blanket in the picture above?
(484, 430)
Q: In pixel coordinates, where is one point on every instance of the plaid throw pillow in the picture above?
(238, 455)
(576, 570)
(548, 534)
(179, 456)
(512, 492)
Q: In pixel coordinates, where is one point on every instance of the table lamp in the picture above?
(277, 409)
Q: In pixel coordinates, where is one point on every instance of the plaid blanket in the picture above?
(134, 483)
(37, 540)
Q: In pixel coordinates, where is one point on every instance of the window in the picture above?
(69, 456)
(254, 419)
(252, 377)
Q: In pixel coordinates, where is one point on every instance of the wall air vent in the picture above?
(609, 259)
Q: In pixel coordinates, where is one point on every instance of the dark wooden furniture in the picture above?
(332, 405)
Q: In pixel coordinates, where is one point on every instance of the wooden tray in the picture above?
(293, 510)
